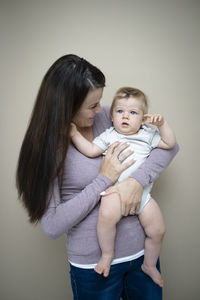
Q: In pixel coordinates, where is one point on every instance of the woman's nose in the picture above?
(98, 109)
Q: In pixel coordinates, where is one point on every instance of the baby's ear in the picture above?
(145, 117)
(111, 117)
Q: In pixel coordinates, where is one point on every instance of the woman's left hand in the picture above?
(130, 192)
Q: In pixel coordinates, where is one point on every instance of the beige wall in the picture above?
(153, 45)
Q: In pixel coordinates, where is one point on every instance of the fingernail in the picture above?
(103, 193)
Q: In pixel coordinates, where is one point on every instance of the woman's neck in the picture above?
(87, 132)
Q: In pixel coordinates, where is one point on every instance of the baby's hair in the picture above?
(127, 92)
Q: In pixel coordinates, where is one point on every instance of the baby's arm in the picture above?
(82, 144)
(168, 139)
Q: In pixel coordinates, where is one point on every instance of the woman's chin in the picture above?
(90, 122)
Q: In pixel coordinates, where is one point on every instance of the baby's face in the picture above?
(127, 115)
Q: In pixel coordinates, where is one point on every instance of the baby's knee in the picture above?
(160, 232)
(107, 216)
(156, 232)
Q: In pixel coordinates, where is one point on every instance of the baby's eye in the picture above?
(133, 112)
(120, 111)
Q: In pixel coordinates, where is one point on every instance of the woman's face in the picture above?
(89, 108)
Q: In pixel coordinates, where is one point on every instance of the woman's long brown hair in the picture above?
(62, 92)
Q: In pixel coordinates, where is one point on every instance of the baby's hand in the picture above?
(73, 130)
(155, 119)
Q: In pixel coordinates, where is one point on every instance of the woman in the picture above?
(61, 188)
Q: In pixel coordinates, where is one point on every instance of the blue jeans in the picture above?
(125, 280)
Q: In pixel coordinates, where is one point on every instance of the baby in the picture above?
(129, 113)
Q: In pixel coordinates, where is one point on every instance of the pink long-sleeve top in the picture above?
(74, 204)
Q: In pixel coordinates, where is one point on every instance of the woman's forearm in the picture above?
(60, 217)
(151, 168)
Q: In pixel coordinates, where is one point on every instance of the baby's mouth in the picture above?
(125, 124)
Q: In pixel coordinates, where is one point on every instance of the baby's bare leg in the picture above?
(109, 215)
(152, 221)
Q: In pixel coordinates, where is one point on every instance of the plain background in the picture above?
(152, 45)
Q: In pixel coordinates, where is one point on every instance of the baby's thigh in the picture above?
(111, 207)
(151, 217)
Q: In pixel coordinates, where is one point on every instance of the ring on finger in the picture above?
(119, 158)
(132, 211)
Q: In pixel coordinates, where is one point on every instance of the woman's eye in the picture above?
(133, 112)
(120, 111)
(94, 106)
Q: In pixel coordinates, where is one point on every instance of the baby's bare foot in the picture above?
(154, 274)
(103, 266)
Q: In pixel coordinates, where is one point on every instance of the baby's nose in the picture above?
(126, 115)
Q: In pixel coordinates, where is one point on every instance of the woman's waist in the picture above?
(83, 246)
(88, 227)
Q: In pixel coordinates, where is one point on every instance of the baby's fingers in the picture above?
(150, 117)
(154, 119)
(157, 118)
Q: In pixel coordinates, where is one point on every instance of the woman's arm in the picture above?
(60, 217)
(153, 166)
(130, 189)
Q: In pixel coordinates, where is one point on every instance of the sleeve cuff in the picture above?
(106, 182)
(142, 178)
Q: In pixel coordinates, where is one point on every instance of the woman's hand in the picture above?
(130, 192)
(112, 166)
